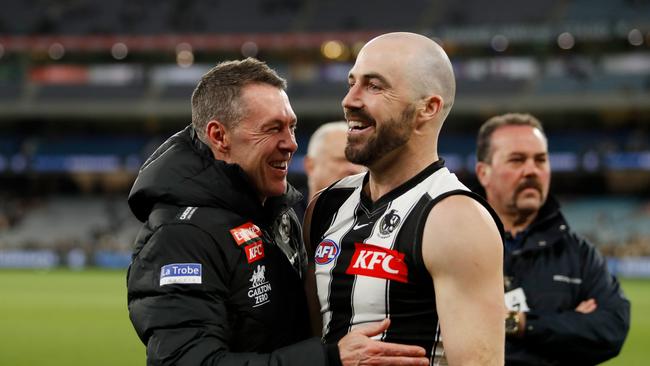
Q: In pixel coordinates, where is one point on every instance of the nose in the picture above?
(530, 168)
(288, 142)
(351, 99)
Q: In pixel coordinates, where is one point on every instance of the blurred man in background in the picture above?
(325, 162)
(564, 307)
(384, 240)
(217, 271)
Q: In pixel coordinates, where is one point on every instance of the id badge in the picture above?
(516, 300)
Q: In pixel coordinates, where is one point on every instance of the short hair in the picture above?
(217, 95)
(317, 138)
(484, 140)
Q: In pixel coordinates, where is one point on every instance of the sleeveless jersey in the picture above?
(368, 258)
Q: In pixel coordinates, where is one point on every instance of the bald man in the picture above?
(407, 241)
(325, 162)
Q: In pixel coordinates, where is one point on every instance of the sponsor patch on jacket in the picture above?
(246, 234)
(374, 261)
(187, 213)
(181, 273)
(326, 252)
(254, 251)
(260, 288)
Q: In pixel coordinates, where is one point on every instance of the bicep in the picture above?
(462, 251)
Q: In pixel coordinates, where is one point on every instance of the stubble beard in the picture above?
(389, 136)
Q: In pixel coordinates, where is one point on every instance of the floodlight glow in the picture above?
(566, 41)
(119, 51)
(56, 51)
(332, 49)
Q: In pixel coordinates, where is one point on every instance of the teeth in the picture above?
(357, 124)
(279, 164)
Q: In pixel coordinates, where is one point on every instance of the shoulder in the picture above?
(458, 228)
(220, 224)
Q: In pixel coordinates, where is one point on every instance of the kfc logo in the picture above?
(254, 251)
(326, 252)
(246, 233)
(373, 261)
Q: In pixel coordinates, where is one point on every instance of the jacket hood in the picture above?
(183, 172)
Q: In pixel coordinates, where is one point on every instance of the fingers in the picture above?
(394, 349)
(355, 349)
(398, 361)
(587, 306)
(373, 329)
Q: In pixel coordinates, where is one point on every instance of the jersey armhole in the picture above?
(425, 214)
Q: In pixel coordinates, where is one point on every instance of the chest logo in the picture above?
(389, 223)
(260, 287)
(326, 252)
(254, 251)
(284, 229)
(373, 261)
(246, 234)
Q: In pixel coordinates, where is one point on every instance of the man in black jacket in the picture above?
(564, 307)
(216, 276)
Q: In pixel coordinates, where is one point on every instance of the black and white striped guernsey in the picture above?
(368, 257)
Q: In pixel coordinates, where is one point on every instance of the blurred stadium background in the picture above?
(89, 88)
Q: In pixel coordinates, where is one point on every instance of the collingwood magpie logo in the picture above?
(389, 223)
(284, 229)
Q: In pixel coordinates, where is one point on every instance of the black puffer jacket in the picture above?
(210, 282)
(557, 270)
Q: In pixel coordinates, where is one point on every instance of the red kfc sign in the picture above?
(373, 261)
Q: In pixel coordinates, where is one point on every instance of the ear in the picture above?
(308, 163)
(432, 106)
(217, 137)
(483, 172)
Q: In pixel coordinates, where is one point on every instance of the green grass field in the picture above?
(80, 318)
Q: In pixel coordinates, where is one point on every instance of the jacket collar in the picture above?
(547, 229)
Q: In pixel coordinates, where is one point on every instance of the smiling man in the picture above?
(218, 267)
(564, 307)
(406, 241)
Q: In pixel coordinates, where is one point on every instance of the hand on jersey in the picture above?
(357, 348)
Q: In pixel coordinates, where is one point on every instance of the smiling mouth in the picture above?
(282, 165)
(358, 125)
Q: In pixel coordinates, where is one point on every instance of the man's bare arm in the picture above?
(463, 252)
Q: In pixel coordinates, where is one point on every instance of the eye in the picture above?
(373, 87)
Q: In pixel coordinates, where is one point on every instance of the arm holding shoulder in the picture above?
(463, 252)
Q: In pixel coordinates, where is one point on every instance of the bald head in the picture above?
(325, 162)
(419, 60)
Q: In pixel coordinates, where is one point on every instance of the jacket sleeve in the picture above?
(188, 324)
(591, 338)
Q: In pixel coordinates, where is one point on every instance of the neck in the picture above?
(396, 168)
(515, 222)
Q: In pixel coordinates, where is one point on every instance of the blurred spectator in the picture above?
(325, 162)
(564, 307)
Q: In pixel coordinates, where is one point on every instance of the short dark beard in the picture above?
(391, 135)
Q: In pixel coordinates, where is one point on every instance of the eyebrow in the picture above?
(373, 75)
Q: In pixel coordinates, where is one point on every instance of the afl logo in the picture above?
(326, 252)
